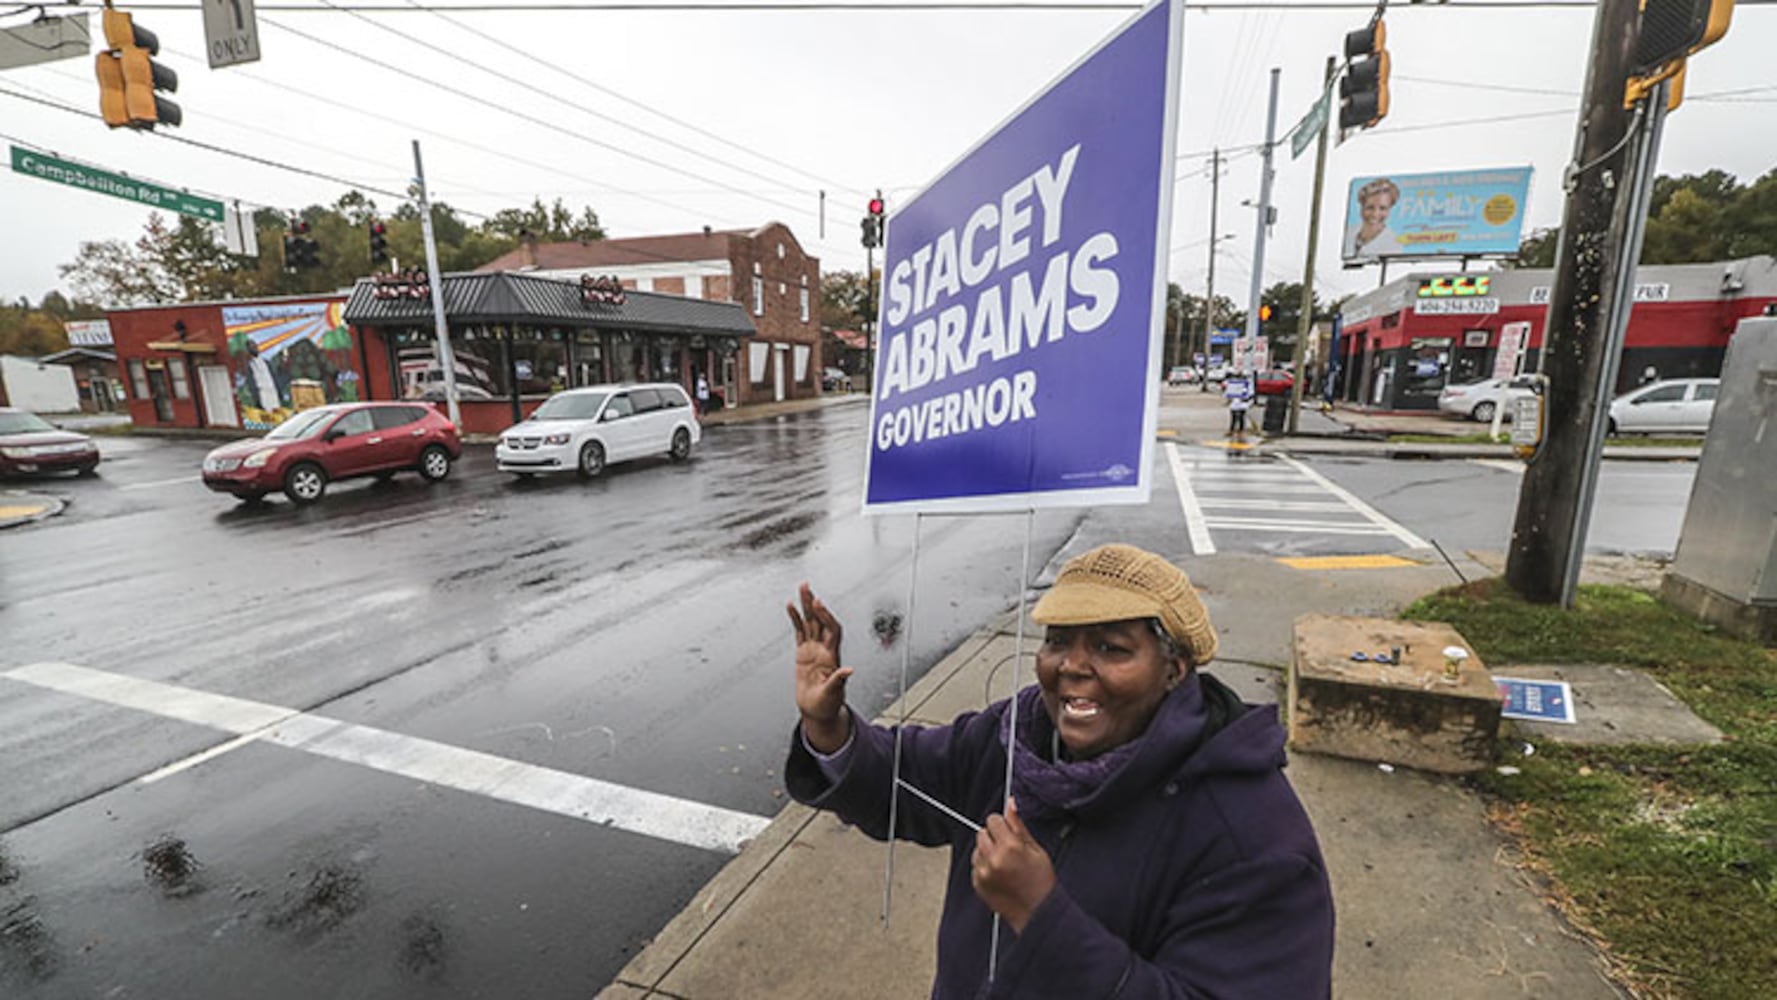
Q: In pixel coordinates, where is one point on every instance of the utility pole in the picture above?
(1594, 271)
(1265, 213)
(446, 357)
(1305, 322)
(1209, 300)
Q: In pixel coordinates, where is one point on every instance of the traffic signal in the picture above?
(1668, 32)
(1264, 314)
(129, 80)
(379, 242)
(1363, 91)
(300, 252)
(872, 222)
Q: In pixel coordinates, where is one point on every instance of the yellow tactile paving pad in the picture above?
(1346, 562)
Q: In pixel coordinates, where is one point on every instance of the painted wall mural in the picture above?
(290, 356)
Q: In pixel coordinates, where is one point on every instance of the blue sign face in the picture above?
(1538, 701)
(1023, 298)
(1428, 215)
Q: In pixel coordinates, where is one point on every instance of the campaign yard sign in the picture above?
(1536, 701)
(1018, 363)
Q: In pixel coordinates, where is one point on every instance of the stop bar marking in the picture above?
(651, 814)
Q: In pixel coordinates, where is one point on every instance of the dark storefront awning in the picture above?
(508, 298)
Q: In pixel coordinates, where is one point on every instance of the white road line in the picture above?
(1312, 529)
(1407, 538)
(1243, 503)
(1502, 464)
(156, 484)
(652, 814)
(1200, 540)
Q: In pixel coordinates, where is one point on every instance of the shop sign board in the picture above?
(1455, 307)
(1513, 337)
(1023, 308)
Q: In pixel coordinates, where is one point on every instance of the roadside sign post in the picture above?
(1022, 319)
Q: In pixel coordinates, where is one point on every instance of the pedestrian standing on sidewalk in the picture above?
(703, 394)
(1239, 394)
(1151, 846)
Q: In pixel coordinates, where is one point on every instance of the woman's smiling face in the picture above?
(1103, 683)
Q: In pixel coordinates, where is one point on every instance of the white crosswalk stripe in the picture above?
(1269, 496)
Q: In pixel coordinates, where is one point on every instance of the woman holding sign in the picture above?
(1151, 846)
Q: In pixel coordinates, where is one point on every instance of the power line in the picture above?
(507, 109)
(601, 88)
(892, 6)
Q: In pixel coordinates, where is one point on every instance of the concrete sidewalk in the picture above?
(1430, 900)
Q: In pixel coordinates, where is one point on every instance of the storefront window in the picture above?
(181, 387)
(480, 364)
(539, 361)
(138, 379)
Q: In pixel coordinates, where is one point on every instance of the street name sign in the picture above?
(79, 175)
(46, 39)
(1023, 305)
(231, 32)
(1308, 129)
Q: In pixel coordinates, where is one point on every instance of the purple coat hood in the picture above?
(1192, 871)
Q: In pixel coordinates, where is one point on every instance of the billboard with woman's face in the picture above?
(1458, 214)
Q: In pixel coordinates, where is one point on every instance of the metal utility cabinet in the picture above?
(1725, 571)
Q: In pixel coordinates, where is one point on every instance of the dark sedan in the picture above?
(30, 444)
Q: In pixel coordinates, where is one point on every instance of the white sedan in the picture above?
(1674, 406)
(1481, 400)
(583, 430)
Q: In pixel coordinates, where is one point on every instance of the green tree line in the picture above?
(183, 260)
(1691, 219)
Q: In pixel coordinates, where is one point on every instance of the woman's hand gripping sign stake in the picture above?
(1011, 871)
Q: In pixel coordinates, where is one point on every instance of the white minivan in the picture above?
(583, 430)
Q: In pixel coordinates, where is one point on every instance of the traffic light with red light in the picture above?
(872, 222)
(379, 242)
(300, 252)
(129, 81)
(1363, 91)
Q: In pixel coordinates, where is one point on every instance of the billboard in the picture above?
(1024, 298)
(1453, 214)
(289, 356)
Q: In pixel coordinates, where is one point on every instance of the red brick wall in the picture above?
(670, 286)
(781, 321)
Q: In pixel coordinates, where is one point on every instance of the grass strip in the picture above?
(1667, 855)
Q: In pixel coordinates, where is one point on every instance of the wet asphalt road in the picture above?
(628, 629)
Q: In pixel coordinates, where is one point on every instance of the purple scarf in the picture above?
(1046, 787)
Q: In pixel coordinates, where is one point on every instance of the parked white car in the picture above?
(1481, 400)
(583, 430)
(1673, 406)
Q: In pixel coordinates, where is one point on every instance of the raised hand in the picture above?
(1010, 871)
(820, 680)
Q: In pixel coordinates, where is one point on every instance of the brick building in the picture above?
(765, 270)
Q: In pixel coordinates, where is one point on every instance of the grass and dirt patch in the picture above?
(1667, 855)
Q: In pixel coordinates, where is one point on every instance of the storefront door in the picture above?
(162, 395)
(218, 390)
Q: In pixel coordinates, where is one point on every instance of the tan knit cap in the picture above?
(1115, 583)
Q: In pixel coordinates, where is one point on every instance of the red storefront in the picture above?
(244, 364)
(1402, 343)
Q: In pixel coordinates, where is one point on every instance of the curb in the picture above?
(18, 508)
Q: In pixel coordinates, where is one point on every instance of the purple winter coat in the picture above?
(1191, 872)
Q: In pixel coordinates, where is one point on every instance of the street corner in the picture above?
(1347, 562)
(18, 508)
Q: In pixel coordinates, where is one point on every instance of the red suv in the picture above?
(303, 454)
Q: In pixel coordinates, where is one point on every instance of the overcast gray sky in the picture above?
(842, 100)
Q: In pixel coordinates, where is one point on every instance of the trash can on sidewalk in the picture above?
(1276, 410)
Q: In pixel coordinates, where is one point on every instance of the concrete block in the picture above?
(1757, 622)
(1411, 713)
